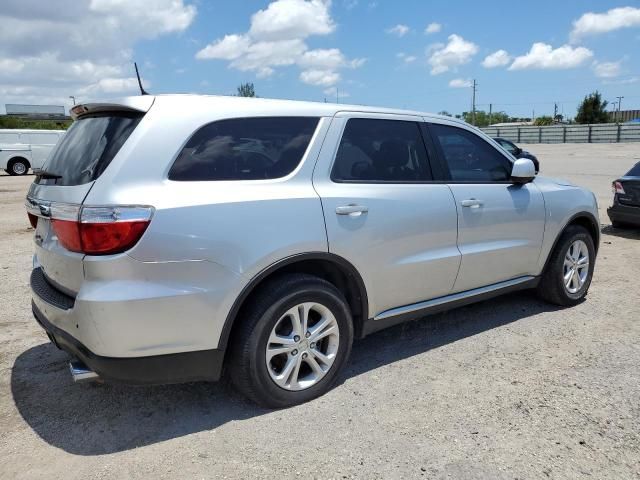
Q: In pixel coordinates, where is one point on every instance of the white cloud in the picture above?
(625, 81)
(607, 69)
(432, 28)
(228, 48)
(456, 52)
(320, 78)
(276, 38)
(594, 23)
(499, 58)
(57, 49)
(460, 83)
(286, 19)
(406, 58)
(543, 56)
(398, 30)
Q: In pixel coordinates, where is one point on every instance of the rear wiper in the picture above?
(44, 174)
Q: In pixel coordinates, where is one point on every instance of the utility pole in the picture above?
(473, 103)
(73, 98)
(555, 111)
(490, 112)
(619, 103)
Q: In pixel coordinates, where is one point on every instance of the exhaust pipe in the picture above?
(81, 373)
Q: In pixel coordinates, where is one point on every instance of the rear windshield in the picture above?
(88, 147)
(635, 171)
(244, 149)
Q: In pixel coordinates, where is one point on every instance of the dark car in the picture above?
(517, 152)
(625, 211)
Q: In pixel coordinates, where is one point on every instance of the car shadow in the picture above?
(629, 232)
(97, 419)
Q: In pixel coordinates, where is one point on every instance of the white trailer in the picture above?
(23, 149)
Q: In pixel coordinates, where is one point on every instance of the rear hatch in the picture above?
(59, 189)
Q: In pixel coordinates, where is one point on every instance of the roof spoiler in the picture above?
(127, 104)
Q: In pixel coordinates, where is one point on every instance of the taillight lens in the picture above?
(101, 230)
(617, 188)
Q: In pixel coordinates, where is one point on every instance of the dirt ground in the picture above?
(509, 388)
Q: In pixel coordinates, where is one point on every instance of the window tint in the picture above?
(469, 157)
(245, 149)
(634, 172)
(88, 147)
(381, 150)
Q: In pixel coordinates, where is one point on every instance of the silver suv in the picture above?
(182, 237)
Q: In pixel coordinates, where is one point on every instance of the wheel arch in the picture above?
(333, 268)
(584, 219)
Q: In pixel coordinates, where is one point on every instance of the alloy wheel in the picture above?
(576, 266)
(302, 346)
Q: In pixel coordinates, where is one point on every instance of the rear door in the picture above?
(76, 162)
(383, 212)
(500, 224)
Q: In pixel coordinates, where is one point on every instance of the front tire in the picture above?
(568, 274)
(292, 342)
(18, 167)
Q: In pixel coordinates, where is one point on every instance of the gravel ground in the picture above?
(509, 388)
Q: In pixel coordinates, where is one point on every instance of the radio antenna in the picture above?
(142, 90)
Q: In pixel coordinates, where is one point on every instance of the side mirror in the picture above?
(523, 171)
(517, 151)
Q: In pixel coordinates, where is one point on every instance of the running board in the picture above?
(415, 311)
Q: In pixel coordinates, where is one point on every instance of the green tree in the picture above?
(246, 90)
(543, 120)
(593, 109)
(484, 120)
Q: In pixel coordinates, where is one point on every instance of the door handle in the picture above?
(472, 203)
(352, 210)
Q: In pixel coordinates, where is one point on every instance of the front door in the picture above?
(500, 223)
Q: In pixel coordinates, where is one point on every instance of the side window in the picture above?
(382, 151)
(508, 146)
(245, 149)
(469, 157)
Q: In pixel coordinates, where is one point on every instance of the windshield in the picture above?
(88, 147)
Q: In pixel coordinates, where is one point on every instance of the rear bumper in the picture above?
(158, 369)
(624, 214)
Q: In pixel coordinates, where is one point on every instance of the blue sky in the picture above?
(373, 52)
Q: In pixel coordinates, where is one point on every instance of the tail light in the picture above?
(99, 230)
(617, 187)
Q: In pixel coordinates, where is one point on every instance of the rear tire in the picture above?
(568, 274)
(267, 326)
(18, 167)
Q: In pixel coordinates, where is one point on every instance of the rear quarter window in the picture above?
(245, 149)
